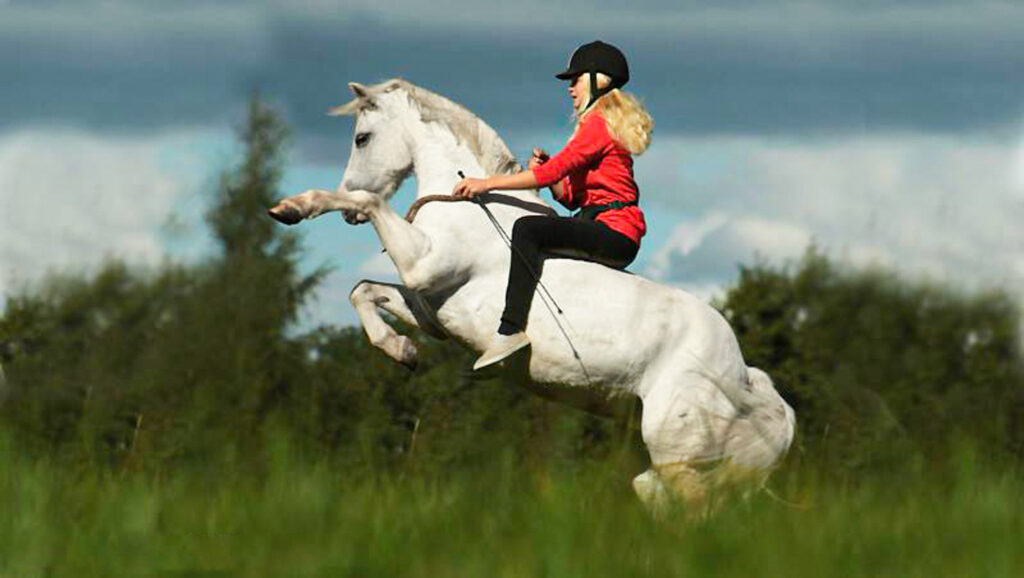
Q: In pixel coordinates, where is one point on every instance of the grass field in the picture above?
(305, 519)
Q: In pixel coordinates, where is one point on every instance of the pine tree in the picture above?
(259, 257)
(172, 364)
(244, 366)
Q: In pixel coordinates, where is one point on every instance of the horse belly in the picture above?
(619, 324)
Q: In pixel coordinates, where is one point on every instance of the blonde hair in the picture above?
(628, 121)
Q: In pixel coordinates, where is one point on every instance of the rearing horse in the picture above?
(706, 415)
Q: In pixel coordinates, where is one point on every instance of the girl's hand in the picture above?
(469, 188)
(539, 157)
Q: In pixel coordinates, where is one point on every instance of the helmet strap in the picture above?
(596, 93)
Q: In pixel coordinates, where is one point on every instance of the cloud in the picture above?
(878, 129)
(71, 199)
(687, 236)
(945, 208)
(711, 257)
(703, 68)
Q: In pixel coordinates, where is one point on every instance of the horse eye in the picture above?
(362, 138)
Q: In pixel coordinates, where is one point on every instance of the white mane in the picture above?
(485, 144)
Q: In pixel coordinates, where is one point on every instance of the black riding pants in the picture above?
(534, 235)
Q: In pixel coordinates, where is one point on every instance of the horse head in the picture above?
(381, 157)
(395, 118)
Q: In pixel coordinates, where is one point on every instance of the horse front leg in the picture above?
(366, 297)
(310, 205)
(408, 246)
(369, 296)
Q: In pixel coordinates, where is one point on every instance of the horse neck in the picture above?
(438, 158)
(437, 167)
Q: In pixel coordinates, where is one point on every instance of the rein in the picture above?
(410, 215)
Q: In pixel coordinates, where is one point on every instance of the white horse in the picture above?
(706, 416)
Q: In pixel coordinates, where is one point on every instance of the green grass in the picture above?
(306, 519)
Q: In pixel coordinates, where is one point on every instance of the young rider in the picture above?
(594, 172)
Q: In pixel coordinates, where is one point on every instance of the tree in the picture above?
(236, 358)
(878, 368)
(176, 362)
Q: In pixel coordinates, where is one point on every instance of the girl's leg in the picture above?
(532, 235)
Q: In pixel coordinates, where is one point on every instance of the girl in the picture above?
(594, 172)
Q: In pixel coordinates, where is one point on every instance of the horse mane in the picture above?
(489, 149)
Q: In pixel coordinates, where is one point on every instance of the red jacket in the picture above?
(596, 171)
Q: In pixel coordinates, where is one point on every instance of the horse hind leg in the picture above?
(760, 436)
(682, 426)
(704, 449)
(651, 491)
(663, 486)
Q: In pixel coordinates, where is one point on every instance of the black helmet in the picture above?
(597, 57)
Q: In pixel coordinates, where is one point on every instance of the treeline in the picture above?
(183, 365)
(882, 371)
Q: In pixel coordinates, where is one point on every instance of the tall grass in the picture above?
(304, 518)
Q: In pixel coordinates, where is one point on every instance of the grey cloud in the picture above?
(716, 258)
(714, 261)
(734, 68)
(722, 74)
(125, 70)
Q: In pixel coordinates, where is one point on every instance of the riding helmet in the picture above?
(597, 57)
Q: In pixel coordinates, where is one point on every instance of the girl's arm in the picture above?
(470, 188)
(520, 180)
(540, 156)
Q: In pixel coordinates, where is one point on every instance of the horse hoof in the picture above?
(286, 214)
(408, 354)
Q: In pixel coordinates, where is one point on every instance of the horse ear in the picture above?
(361, 100)
(358, 90)
(347, 109)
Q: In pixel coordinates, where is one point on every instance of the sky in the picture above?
(887, 133)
